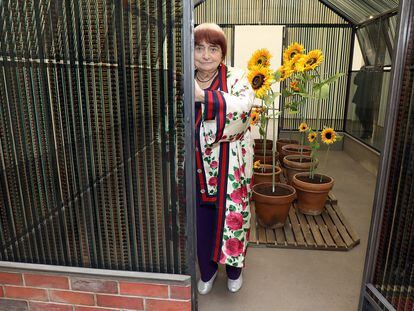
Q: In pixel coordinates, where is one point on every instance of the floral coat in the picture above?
(224, 158)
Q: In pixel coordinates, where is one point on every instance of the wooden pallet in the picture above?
(328, 231)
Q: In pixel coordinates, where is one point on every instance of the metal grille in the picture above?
(394, 266)
(91, 134)
(265, 12)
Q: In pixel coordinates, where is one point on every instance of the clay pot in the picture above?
(294, 149)
(258, 145)
(265, 173)
(297, 164)
(272, 208)
(268, 159)
(312, 193)
(282, 142)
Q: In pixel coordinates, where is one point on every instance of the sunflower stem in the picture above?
(274, 146)
(326, 160)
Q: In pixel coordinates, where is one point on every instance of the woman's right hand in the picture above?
(198, 92)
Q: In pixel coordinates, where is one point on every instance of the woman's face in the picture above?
(207, 56)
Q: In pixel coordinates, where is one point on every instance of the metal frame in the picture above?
(406, 10)
(190, 168)
(348, 83)
(336, 11)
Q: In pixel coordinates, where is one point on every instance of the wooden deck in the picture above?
(328, 231)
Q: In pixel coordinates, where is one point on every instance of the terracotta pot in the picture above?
(294, 149)
(297, 164)
(284, 141)
(259, 144)
(312, 193)
(272, 208)
(265, 173)
(268, 159)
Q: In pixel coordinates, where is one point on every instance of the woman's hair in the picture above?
(212, 34)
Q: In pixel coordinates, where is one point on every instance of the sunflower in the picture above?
(292, 51)
(294, 85)
(260, 58)
(310, 61)
(254, 117)
(303, 127)
(328, 136)
(256, 164)
(260, 79)
(285, 72)
(312, 136)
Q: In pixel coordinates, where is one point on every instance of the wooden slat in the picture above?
(348, 226)
(339, 225)
(280, 236)
(332, 198)
(262, 235)
(290, 238)
(253, 226)
(305, 228)
(324, 230)
(332, 229)
(270, 237)
(315, 231)
(296, 228)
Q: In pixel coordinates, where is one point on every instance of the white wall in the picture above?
(248, 39)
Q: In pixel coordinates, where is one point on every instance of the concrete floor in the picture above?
(302, 280)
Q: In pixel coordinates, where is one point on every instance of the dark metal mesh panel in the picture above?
(91, 134)
(394, 270)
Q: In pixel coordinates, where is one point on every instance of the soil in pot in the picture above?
(312, 192)
(272, 208)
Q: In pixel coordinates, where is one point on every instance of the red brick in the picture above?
(11, 278)
(13, 305)
(120, 302)
(79, 308)
(49, 281)
(25, 293)
(167, 305)
(96, 286)
(180, 292)
(141, 289)
(72, 297)
(44, 306)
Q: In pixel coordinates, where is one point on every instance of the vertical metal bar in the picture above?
(349, 78)
(188, 67)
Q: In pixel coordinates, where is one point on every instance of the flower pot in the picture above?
(297, 164)
(282, 142)
(295, 149)
(268, 159)
(259, 144)
(272, 208)
(312, 193)
(265, 173)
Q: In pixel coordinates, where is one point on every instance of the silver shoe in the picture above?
(205, 287)
(235, 285)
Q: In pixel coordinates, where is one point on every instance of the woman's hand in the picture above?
(198, 92)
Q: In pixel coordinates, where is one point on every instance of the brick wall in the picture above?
(45, 291)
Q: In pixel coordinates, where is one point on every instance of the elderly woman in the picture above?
(224, 159)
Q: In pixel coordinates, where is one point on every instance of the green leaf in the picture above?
(231, 177)
(286, 93)
(324, 92)
(333, 78)
(235, 185)
(238, 233)
(277, 75)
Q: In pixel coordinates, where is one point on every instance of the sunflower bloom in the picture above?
(328, 136)
(256, 164)
(254, 117)
(303, 127)
(260, 79)
(260, 58)
(294, 85)
(292, 51)
(312, 136)
(310, 61)
(285, 72)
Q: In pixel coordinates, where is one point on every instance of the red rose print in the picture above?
(234, 247)
(237, 175)
(234, 221)
(214, 164)
(212, 181)
(244, 151)
(243, 191)
(230, 116)
(207, 151)
(242, 168)
(236, 196)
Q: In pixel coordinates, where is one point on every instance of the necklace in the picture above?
(204, 81)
